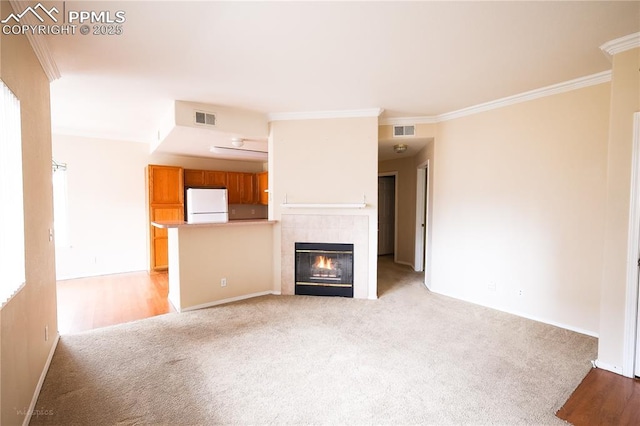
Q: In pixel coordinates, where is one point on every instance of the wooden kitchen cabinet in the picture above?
(241, 188)
(205, 178)
(215, 179)
(235, 183)
(249, 189)
(159, 238)
(165, 185)
(194, 177)
(165, 195)
(263, 187)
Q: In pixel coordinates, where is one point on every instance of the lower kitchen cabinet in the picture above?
(159, 241)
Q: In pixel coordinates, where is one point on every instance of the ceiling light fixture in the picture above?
(400, 148)
(237, 142)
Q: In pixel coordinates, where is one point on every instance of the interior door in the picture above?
(386, 214)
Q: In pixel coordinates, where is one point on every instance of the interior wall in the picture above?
(406, 182)
(325, 161)
(106, 198)
(23, 348)
(625, 100)
(518, 205)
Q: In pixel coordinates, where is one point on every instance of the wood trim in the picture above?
(43, 375)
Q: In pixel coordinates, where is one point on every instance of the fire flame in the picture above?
(324, 262)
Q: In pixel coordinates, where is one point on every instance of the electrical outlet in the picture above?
(492, 286)
(520, 292)
(223, 282)
(46, 333)
(233, 211)
(253, 211)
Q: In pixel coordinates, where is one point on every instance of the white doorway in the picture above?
(421, 260)
(631, 341)
(387, 213)
(631, 364)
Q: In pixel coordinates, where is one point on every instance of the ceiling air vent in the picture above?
(205, 118)
(404, 131)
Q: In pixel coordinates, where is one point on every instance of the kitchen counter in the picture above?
(237, 222)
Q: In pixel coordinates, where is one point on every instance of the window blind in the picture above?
(12, 255)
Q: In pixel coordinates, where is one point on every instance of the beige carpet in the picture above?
(410, 357)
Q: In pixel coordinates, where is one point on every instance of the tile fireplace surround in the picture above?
(326, 229)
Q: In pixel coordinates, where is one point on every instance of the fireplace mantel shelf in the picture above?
(324, 205)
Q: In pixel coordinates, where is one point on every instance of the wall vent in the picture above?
(205, 118)
(404, 131)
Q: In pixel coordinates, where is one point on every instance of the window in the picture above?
(12, 262)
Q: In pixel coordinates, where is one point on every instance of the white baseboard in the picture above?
(524, 315)
(36, 393)
(229, 300)
(608, 367)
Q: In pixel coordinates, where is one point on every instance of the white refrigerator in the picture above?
(207, 205)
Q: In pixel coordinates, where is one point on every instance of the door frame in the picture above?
(395, 211)
(422, 216)
(631, 354)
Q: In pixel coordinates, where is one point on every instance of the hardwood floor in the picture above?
(603, 398)
(88, 303)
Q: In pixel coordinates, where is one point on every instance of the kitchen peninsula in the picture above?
(166, 186)
(215, 263)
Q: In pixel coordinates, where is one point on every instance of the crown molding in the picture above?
(567, 86)
(314, 115)
(407, 121)
(621, 44)
(38, 42)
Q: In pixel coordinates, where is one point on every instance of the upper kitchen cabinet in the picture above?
(241, 188)
(234, 187)
(249, 189)
(194, 178)
(205, 178)
(263, 188)
(165, 185)
(215, 179)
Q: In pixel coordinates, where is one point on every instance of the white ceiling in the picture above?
(409, 58)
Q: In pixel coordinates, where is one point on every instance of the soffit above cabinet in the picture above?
(193, 129)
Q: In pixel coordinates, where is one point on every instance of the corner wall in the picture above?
(625, 101)
(518, 207)
(24, 351)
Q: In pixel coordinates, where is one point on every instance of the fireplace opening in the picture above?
(324, 269)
